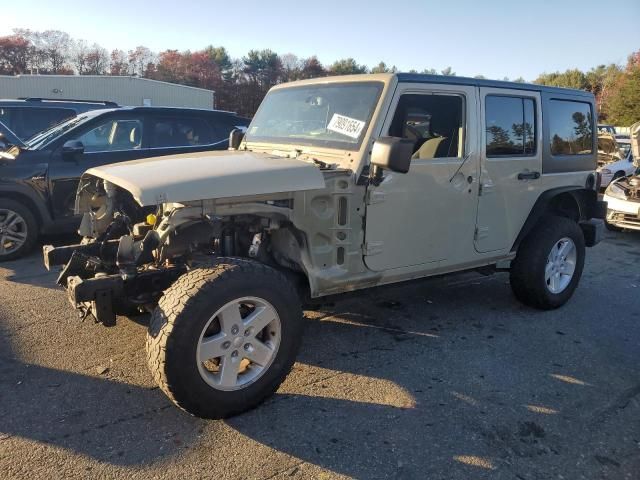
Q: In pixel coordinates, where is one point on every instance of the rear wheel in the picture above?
(549, 263)
(18, 230)
(222, 339)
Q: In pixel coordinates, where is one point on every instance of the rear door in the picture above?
(183, 133)
(117, 137)
(511, 161)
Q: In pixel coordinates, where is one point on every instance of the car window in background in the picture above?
(570, 127)
(624, 149)
(43, 138)
(181, 132)
(113, 135)
(26, 122)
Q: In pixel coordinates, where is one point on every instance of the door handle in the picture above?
(528, 175)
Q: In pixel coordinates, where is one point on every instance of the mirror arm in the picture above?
(377, 175)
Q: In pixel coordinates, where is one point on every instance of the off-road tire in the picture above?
(528, 268)
(181, 314)
(32, 228)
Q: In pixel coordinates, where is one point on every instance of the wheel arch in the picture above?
(575, 203)
(31, 202)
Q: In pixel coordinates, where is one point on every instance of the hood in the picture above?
(634, 135)
(206, 175)
(7, 136)
(607, 149)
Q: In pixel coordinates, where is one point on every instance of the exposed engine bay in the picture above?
(129, 254)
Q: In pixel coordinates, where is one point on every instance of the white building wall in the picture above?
(122, 90)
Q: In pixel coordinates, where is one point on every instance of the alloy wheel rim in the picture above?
(561, 265)
(238, 343)
(13, 231)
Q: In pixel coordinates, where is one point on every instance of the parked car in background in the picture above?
(28, 116)
(623, 204)
(613, 163)
(7, 137)
(604, 128)
(39, 177)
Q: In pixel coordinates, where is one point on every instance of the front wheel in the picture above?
(549, 263)
(223, 339)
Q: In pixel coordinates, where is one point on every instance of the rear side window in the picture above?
(27, 121)
(181, 132)
(510, 126)
(570, 127)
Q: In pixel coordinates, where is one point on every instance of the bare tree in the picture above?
(97, 60)
(79, 56)
(139, 59)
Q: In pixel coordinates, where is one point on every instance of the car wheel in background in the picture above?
(18, 230)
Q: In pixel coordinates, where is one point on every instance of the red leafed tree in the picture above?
(15, 51)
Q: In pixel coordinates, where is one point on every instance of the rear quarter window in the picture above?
(570, 127)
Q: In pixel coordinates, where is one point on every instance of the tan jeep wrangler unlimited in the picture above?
(339, 184)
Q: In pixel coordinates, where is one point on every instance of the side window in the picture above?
(113, 135)
(181, 132)
(510, 123)
(570, 127)
(434, 122)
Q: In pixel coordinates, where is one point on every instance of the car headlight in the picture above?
(605, 171)
(616, 191)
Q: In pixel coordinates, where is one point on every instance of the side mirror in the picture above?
(235, 138)
(392, 153)
(71, 149)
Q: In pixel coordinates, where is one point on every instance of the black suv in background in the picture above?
(39, 177)
(27, 116)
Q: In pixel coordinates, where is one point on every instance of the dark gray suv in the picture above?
(39, 177)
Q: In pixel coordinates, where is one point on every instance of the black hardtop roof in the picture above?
(480, 82)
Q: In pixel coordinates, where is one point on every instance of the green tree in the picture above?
(382, 68)
(624, 105)
(347, 66)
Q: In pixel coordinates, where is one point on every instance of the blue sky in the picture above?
(492, 38)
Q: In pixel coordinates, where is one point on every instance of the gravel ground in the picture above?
(448, 378)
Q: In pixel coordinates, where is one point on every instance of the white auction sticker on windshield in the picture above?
(345, 125)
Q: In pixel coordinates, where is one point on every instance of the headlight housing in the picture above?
(605, 171)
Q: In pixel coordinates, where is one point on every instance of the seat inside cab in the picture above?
(433, 122)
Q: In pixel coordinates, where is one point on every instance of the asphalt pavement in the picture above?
(448, 378)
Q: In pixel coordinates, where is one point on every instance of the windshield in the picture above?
(42, 138)
(333, 116)
(624, 149)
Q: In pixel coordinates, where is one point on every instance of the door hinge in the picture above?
(374, 196)
(481, 232)
(373, 248)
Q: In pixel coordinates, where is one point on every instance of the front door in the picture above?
(116, 139)
(511, 165)
(426, 216)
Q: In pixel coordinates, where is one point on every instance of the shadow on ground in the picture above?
(441, 377)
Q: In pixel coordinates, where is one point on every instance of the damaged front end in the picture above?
(130, 254)
(623, 203)
(114, 269)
